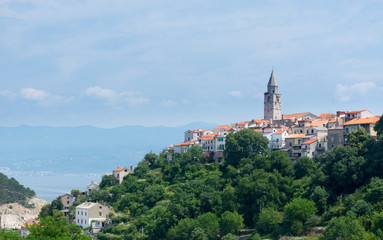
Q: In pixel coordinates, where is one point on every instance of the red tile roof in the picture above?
(318, 122)
(119, 169)
(295, 115)
(357, 111)
(300, 135)
(279, 132)
(223, 127)
(309, 141)
(28, 220)
(363, 120)
(62, 195)
(242, 123)
(326, 115)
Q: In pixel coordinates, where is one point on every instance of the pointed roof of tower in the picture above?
(272, 81)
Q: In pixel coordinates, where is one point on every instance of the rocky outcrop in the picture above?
(13, 215)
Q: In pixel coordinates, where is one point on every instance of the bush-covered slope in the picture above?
(12, 191)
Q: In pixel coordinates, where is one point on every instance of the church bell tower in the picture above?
(273, 103)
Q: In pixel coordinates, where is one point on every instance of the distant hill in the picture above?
(11, 191)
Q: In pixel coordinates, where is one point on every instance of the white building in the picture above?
(121, 172)
(91, 213)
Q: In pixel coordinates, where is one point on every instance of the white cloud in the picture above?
(346, 93)
(112, 97)
(42, 97)
(7, 94)
(236, 93)
(33, 94)
(169, 103)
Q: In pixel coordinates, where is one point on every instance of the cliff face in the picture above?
(13, 215)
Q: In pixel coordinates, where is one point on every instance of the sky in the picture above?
(150, 63)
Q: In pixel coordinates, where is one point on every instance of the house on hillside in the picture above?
(92, 214)
(121, 172)
(24, 231)
(93, 186)
(357, 114)
(366, 123)
(67, 201)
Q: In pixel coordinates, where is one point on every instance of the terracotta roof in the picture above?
(363, 120)
(242, 123)
(62, 195)
(119, 169)
(28, 220)
(326, 115)
(183, 144)
(317, 123)
(256, 120)
(300, 135)
(220, 127)
(257, 130)
(295, 115)
(267, 133)
(279, 132)
(309, 141)
(357, 111)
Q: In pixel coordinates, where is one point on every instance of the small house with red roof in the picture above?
(23, 230)
(120, 172)
(67, 201)
(357, 114)
(366, 123)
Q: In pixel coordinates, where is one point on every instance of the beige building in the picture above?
(92, 214)
(366, 123)
(120, 172)
(67, 201)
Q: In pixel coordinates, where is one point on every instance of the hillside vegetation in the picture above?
(254, 193)
(11, 191)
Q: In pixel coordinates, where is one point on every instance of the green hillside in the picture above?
(12, 191)
(263, 195)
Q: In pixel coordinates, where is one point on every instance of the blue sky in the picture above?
(114, 63)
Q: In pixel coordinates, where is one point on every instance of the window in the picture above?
(85, 221)
(100, 213)
(67, 202)
(78, 220)
(312, 130)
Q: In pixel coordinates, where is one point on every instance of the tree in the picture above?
(269, 221)
(231, 222)
(297, 212)
(320, 197)
(305, 166)
(108, 181)
(210, 224)
(379, 126)
(245, 144)
(377, 224)
(345, 227)
(358, 139)
(183, 230)
(229, 236)
(55, 228)
(198, 234)
(10, 234)
(152, 194)
(281, 162)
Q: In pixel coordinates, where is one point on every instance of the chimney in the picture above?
(131, 168)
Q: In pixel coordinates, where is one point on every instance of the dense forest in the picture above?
(255, 192)
(11, 191)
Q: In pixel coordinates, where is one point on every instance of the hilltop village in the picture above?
(299, 134)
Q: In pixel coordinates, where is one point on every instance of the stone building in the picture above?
(272, 100)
